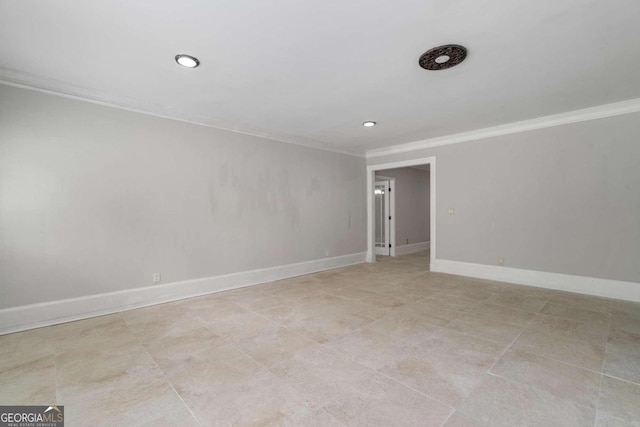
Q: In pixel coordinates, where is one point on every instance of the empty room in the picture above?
(316, 213)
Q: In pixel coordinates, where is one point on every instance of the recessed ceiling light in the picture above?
(443, 57)
(187, 61)
(369, 124)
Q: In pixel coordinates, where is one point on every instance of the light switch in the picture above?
(451, 211)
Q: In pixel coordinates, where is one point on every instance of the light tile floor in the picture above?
(373, 344)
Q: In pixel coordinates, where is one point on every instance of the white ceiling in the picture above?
(312, 71)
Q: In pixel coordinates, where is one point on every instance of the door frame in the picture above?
(371, 178)
(392, 211)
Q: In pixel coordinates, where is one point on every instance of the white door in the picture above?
(382, 218)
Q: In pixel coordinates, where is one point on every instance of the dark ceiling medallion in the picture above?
(443, 57)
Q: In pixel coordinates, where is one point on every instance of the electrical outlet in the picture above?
(450, 211)
(156, 278)
(501, 261)
(326, 253)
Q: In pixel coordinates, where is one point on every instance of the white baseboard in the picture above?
(50, 313)
(412, 248)
(616, 289)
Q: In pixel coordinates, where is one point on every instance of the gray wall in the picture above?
(564, 199)
(412, 204)
(95, 199)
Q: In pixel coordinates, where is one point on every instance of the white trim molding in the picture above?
(371, 178)
(616, 289)
(412, 248)
(32, 316)
(607, 110)
(64, 90)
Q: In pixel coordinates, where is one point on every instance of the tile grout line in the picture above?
(565, 362)
(575, 366)
(268, 369)
(597, 408)
(339, 354)
(621, 379)
(475, 336)
(600, 374)
(226, 342)
(312, 339)
(488, 372)
(510, 345)
(320, 292)
(544, 357)
(170, 384)
(55, 368)
(398, 382)
(162, 372)
(346, 356)
(606, 342)
(448, 418)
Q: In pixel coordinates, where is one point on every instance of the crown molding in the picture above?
(57, 88)
(593, 113)
(65, 90)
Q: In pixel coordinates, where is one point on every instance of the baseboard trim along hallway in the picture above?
(412, 248)
(616, 289)
(32, 316)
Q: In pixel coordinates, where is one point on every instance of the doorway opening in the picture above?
(383, 195)
(383, 214)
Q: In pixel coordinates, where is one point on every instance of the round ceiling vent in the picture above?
(442, 57)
